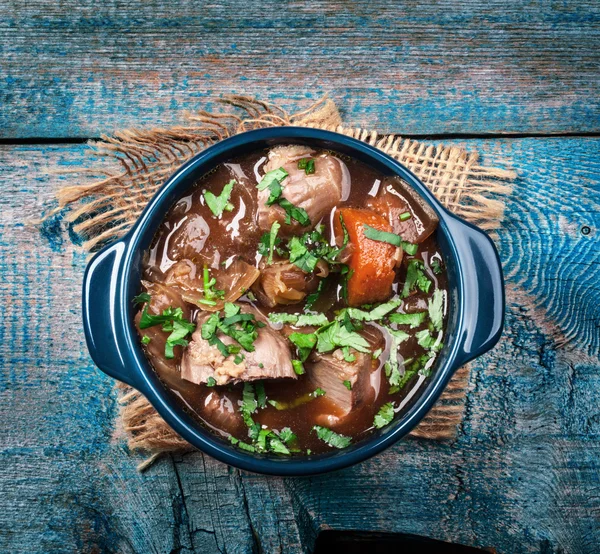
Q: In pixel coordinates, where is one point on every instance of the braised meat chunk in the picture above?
(269, 357)
(316, 193)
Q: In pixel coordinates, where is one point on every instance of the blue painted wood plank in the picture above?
(521, 476)
(78, 69)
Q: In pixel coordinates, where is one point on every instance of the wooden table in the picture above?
(518, 81)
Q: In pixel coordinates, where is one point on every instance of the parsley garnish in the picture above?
(209, 282)
(305, 342)
(308, 164)
(243, 328)
(172, 320)
(381, 236)
(376, 313)
(241, 445)
(272, 180)
(392, 368)
(427, 341)
(218, 204)
(298, 367)
(146, 339)
(210, 382)
(410, 248)
(436, 309)
(261, 396)
(142, 298)
(414, 320)
(333, 439)
(436, 266)
(318, 392)
(294, 212)
(384, 416)
(415, 276)
(302, 320)
(301, 256)
(272, 238)
(348, 385)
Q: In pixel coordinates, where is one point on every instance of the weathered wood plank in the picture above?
(79, 68)
(522, 475)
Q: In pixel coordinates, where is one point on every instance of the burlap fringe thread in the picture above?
(105, 209)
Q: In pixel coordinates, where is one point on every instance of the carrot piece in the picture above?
(372, 262)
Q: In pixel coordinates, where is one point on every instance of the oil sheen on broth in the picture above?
(294, 300)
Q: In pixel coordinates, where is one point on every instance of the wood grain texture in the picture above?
(521, 477)
(78, 68)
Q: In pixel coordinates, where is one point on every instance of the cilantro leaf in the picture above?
(334, 335)
(301, 256)
(298, 367)
(384, 416)
(414, 319)
(294, 212)
(333, 439)
(211, 382)
(436, 309)
(241, 445)
(381, 236)
(272, 240)
(142, 298)
(410, 248)
(287, 436)
(348, 385)
(415, 277)
(261, 396)
(376, 313)
(273, 175)
(218, 204)
(305, 342)
(392, 367)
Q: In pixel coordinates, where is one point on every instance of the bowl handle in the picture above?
(483, 286)
(103, 322)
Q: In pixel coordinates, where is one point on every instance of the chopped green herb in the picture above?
(210, 382)
(376, 313)
(436, 309)
(381, 236)
(392, 367)
(209, 282)
(241, 445)
(274, 175)
(298, 367)
(308, 164)
(334, 335)
(238, 359)
(377, 353)
(299, 320)
(146, 339)
(318, 392)
(301, 256)
(415, 277)
(313, 297)
(249, 402)
(172, 320)
(276, 446)
(333, 439)
(348, 356)
(287, 436)
(294, 212)
(261, 396)
(272, 238)
(427, 341)
(142, 298)
(218, 204)
(410, 248)
(305, 342)
(384, 416)
(414, 319)
(404, 216)
(436, 266)
(348, 385)
(261, 365)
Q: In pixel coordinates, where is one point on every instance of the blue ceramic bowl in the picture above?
(112, 279)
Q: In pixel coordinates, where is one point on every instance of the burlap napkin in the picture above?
(106, 204)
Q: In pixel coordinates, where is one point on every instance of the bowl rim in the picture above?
(203, 439)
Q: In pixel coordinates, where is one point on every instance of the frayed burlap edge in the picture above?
(105, 205)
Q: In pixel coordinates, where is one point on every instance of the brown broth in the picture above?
(236, 234)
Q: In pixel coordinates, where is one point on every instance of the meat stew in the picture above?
(294, 300)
